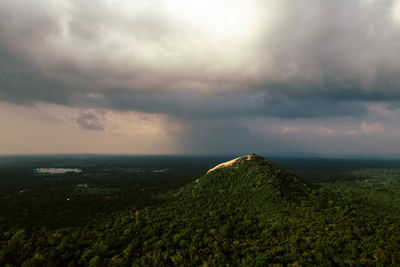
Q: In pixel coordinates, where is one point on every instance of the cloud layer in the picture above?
(217, 65)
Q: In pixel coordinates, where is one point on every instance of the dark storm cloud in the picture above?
(314, 59)
(192, 104)
(21, 83)
(223, 136)
(231, 135)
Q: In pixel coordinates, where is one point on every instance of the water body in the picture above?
(163, 170)
(57, 170)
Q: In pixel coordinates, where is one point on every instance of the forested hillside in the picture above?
(252, 213)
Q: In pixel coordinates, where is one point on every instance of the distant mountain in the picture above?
(311, 155)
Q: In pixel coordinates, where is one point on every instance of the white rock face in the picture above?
(229, 163)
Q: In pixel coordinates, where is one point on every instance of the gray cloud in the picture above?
(227, 136)
(89, 120)
(193, 104)
(314, 59)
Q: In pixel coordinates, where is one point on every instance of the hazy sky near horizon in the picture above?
(210, 76)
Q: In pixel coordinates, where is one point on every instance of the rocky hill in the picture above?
(251, 175)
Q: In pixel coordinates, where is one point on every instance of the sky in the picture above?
(200, 77)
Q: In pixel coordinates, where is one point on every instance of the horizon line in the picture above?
(270, 154)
